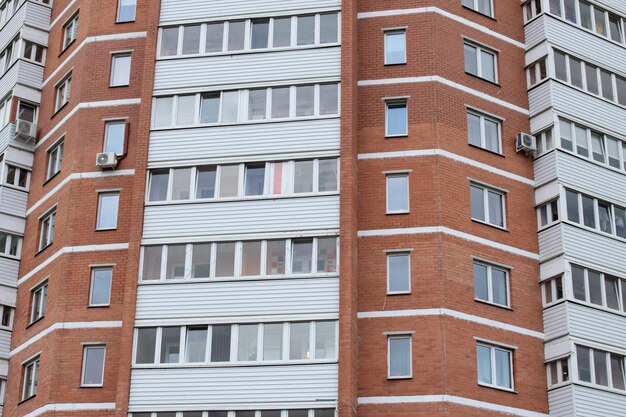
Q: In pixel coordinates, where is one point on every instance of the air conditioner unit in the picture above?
(106, 160)
(25, 130)
(526, 143)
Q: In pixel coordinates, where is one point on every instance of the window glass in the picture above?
(201, 260)
(595, 287)
(196, 344)
(126, 10)
(503, 368)
(397, 193)
(205, 187)
(169, 41)
(471, 59)
(329, 27)
(560, 67)
(251, 259)
(151, 263)
(254, 179)
(600, 368)
(260, 33)
(566, 135)
(325, 344)
(617, 371)
(185, 113)
(572, 206)
(280, 102)
(93, 366)
(175, 262)
(585, 14)
(100, 286)
(581, 141)
(611, 289)
(620, 227)
(329, 99)
(275, 263)
(398, 273)
(578, 283)
(570, 10)
(303, 177)
(257, 103)
(220, 343)
(210, 108)
(229, 180)
(473, 129)
(158, 185)
(191, 39)
(327, 175)
(115, 133)
(604, 217)
(107, 210)
(591, 74)
(230, 106)
(615, 28)
(399, 357)
(146, 342)
(247, 349)
(589, 216)
(481, 285)
(225, 260)
(621, 90)
(299, 341)
(488, 65)
(397, 119)
(282, 32)
(599, 16)
(163, 111)
(555, 7)
(575, 70)
(327, 255)
(492, 137)
(478, 203)
(272, 342)
(483, 354)
(306, 30)
(607, 84)
(302, 256)
(305, 100)
(499, 286)
(214, 37)
(170, 344)
(496, 216)
(395, 48)
(236, 35)
(181, 185)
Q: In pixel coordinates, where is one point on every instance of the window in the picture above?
(598, 288)
(558, 371)
(305, 32)
(145, 345)
(10, 244)
(480, 62)
(536, 72)
(6, 313)
(395, 47)
(120, 70)
(62, 92)
(93, 366)
(115, 137)
(545, 141)
(5, 110)
(397, 194)
(487, 205)
(495, 366)
(70, 30)
(38, 301)
(396, 118)
(16, 176)
(169, 41)
(170, 344)
(491, 284)
(108, 204)
(398, 273)
(480, 6)
(548, 213)
(46, 229)
(592, 18)
(399, 357)
(126, 11)
(100, 292)
(605, 149)
(483, 131)
(33, 51)
(30, 372)
(552, 290)
(596, 214)
(600, 368)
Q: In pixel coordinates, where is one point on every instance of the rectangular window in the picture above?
(325, 340)
(552, 290)
(169, 41)
(146, 345)
(70, 31)
(33, 52)
(306, 30)
(126, 11)
(480, 6)
(305, 101)
(272, 342)
(548, 213)
(598, 288)
(108, 205)
(170, 344)
(196, 344)
(558, 371)
(248, 342)
(600, 367)
(302, 256)
(259, 36)
(397, 194)
(220, 343)
(120, 70)
(491, 284)
(487, 205)
(93, 366)
(115, 137)
(536, 72)
(399, 357)
(483, 131)
(299, 341)
(7, 318)
(214, 37)
(10, 244)
(495, 366)
(395, 47)
(46, 229)
(100, 293)
(16, 176)
(481, 62)
(30, 372)
(396, 118)
(38, 298)
(62, 92)
(191, 39)
(398, 273)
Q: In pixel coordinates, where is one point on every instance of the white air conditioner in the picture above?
(25, 130)
(526, 143)
(106, 160)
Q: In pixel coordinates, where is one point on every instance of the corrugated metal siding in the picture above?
(243, 140)
(241, 298)
(545, 168)
(597, 325)
(8, 271)
(555, 321)
(561, 401)
(30, 74)
(13, 201)
(617, 5)
(540, 98)
(591, 402)
(241, 217)
(248, 68)
(176, 10)
(535, 32)
(597, 180)
(550, 242)
(38, 16)
(5, 343)
(586, 44)
(593, 247)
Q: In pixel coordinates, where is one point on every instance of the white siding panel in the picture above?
(13, 201)
(241, 217)
(8, 271)
(244, 140)
(561, 401)
(550, 243)
(248, 68)
(593, 247)
(535, 32)
(214, 387)
(597, 325)
(545, 168)
(585, 44)
(591, 402)
(539, 98)
(8, 80)
(30, 74)
(243, 298)
(555, 321)
(5, 343)
(616, 5)
(5, 137)
(38, 16)
(176, 10)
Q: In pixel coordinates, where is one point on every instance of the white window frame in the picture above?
(558, 363)
(486, 189)
(390, 32)
(404, 174)
(43, 289)
(398, 253)
(61, 100)
(114, 58)
(29, 391)
(107, 124)
(396, 102)
(86, 348)
(72, 25)
(551, 282)
(492, 350)
(19, 173)
(550, 220)
(507, 274)
(91, 288)
(48, 239)
(592, 367)
(475, 8)
(117, 16)
(55, 158)
(483, 137)
(483, 49)
(102, 195)
(391, 337)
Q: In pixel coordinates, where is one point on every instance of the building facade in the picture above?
(313, 209)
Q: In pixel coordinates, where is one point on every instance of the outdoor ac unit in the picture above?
(106, 160)
(526, 143)
(25, 130)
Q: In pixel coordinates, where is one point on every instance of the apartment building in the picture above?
(313, 209)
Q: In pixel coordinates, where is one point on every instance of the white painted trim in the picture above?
(466, 22)
(88, 105)
(438, 79)
(78, 176)
(427, 312)
(72, 249)
(449, 399)
(66, 326)
(93, 39)
(448, 231)
(70, 407)
(60, 16)
(446, 154)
